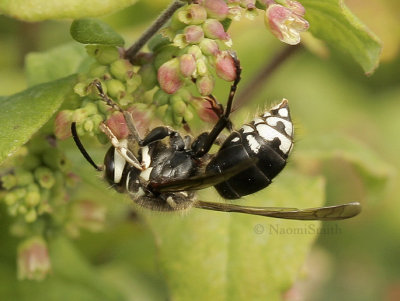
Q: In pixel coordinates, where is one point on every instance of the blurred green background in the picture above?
(347, 130)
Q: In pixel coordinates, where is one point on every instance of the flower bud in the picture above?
(8, 181)
(133, 83)
(213, 29)
(118, 126)
(45, 177)
(161, 111)
(33, 259)
(160, 98)
(216, 9)
(187, 64)
(225, 67)
(205, 84)
(192, 14)
(23, 177)
(97, 70)
(209, 47)
(204, 110)
(169, 76)
(115, 88)
(31, 215)
(178, 105)
(121, 69)
(193, 34)
(285, 24)
(104, 54)
(62, 124)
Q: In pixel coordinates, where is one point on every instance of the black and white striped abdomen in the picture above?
(274, 128)
(269, 139)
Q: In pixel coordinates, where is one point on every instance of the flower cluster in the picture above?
(119, 79)
(36, 183)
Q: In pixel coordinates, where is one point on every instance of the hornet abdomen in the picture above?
(268, 139)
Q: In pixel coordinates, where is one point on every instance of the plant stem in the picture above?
(158, 23)
(258, 81)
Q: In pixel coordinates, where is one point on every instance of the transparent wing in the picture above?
(330, 213)
(202, 181)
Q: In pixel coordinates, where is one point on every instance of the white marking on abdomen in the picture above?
(254, 145)
(283, 112)
(273, 121)
(269, 134)
(247, 129)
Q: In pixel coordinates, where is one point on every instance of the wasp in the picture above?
(164, 176)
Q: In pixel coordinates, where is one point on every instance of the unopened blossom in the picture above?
(213, 29)
(225, 66)
(285, 24)
(204, 110)
(168, 76)
(209, 47)
(216, 9)
(63, 124)
(187, 64)
(193, 34)
(33, 259)
(205, 84)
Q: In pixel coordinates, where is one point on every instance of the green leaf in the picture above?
(93, 31)
(333, 22)
(368, 167)
(55, 63)
(38, 10)
(206, 255)
(24, 113)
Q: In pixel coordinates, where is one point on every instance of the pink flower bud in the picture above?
(187, 64)
(225, 66)
(168, 76)
(285, 24)
(213, 29)
(209, 47)
(217, 9)
(63, 124)
(204, 110)
(193, 34)
(205, 84)
(117, 124)
(33, 259)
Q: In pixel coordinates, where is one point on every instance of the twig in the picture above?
(263, 75)
(158, 23)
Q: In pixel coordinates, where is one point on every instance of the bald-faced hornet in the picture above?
(164, 176)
